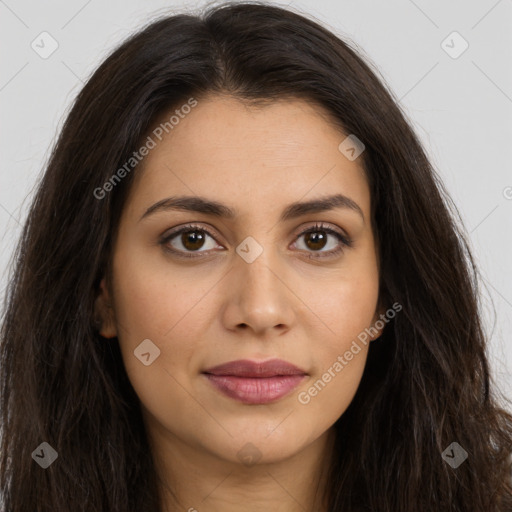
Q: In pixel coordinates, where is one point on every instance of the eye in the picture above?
(316, 238)
(193, 238)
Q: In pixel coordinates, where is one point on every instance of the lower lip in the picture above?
(255, 390)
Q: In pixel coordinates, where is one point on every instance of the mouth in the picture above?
(256, 383)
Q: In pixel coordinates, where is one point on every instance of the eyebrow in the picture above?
(209, 207)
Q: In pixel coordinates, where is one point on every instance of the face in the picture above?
(251, 286)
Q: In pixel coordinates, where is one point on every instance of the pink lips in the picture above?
(251, 382)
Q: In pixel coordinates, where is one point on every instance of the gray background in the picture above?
(460, 107)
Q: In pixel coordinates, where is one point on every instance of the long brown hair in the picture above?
(427, 381)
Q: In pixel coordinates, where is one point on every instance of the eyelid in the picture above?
(323, 226)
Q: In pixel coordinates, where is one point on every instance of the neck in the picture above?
(194, 480)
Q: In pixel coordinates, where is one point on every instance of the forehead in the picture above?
(247, 156)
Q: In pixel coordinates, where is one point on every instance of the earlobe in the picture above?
(104, 313)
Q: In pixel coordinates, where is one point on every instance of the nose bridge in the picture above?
(257, 267)
(262, 297)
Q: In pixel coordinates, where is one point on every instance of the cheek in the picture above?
(164, 309)
(153, 309)
(172, 321)
(153, 299)
(329, 393)
(344, 305)
(340, 345)
(339, 366)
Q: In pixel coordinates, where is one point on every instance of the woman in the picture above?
(241, 287)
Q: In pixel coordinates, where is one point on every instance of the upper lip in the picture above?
(249, 368)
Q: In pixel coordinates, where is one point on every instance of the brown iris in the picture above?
(316, 238)
(192, 240)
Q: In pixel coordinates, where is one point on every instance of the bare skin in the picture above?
(289, 303)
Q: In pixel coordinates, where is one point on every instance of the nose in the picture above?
(259, 297)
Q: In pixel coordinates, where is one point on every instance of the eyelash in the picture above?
(345, 242)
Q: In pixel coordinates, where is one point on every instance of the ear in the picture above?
(104, 313)
(378, 324)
